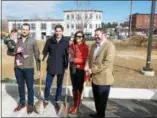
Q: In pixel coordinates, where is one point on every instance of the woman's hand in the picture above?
(71, 59)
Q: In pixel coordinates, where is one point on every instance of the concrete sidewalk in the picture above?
(115, 108)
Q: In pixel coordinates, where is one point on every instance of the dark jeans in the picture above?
(49, 80)
(22, 76)
(77, 79)
(101, 93)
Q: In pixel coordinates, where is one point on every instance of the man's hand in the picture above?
(19, 49)
(86, 68)
(66, 71)
(40, 74)
(41, 57)
(71, 59)
(89, 73)
(90, 78)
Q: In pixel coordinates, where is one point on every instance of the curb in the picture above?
(115, 93)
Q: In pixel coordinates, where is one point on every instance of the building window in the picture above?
(78, 26)
(53, 26)
(72, 16)
(33, 35)
(99, 16)
(33, 26)
(67, 26)
(18, 26)
(78, 17)
(90, 26)
(67, 17)
(43, 26)
(91, 16)
(14, 25)
(85, 25)
(98, 25)
(72, 26)
(96, 16)
(86, 16)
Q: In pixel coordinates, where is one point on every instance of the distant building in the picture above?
(72, 18)
(141, 22)
(39, 28)
(42, 28)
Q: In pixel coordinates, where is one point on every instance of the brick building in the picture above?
(141, 22)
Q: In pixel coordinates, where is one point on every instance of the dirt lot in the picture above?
(128, 64)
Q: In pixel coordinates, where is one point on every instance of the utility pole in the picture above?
(15, 24)
(130, 19)
(148, 70)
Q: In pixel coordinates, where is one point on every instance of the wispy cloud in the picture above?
(28, 9)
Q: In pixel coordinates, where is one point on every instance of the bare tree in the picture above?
(82, 15)
(4, 26)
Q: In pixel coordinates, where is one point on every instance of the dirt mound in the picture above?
(137, 40)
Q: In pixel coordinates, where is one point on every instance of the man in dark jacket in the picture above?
(57, 49)
(25, 72)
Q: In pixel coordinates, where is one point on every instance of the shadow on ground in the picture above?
(115, 107)
(134, 108)
(12, 91)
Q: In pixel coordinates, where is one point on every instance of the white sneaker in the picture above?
(58, 102)
(46, 101)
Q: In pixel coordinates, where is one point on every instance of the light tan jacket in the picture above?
(102, 64)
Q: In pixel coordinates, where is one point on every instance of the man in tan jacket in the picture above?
(100, 67)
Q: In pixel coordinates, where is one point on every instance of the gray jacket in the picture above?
(30, 48)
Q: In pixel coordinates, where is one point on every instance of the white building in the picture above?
(40, 28)
(90, 20)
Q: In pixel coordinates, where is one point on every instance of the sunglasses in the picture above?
(79, 36)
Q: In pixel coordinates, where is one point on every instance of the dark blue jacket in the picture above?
(57, 60)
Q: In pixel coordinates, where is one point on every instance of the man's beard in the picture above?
(58, 37)
(24, 36)
(98, 40)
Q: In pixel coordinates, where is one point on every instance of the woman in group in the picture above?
(78, 51)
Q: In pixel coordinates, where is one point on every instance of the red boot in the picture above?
(78, 101)
(75, 101)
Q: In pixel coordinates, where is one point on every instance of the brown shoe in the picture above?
(73, 110)
(19, 107)
(45, 104)
(30, 109)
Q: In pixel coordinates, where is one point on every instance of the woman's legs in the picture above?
(74, 88)
(77, 82)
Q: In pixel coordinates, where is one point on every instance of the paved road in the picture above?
(115, 108)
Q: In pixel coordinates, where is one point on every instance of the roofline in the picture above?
(34, 20)
(142, 14)
(82, 10)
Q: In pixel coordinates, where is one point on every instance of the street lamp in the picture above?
(148, 70)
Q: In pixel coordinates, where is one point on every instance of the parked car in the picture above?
(122, 37)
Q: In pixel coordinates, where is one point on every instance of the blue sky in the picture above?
(117, 11)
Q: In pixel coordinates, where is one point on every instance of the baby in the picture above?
(13, 45)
